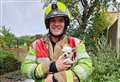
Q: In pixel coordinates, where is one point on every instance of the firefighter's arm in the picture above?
(64, 74)
(33, 69)
(36, 70)
(81, 69)
(83, 66)
(29, 64)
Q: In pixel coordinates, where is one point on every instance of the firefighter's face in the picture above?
(57, 25)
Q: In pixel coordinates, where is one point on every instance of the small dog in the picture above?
(68, 54)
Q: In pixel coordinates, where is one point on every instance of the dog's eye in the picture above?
(68, 52)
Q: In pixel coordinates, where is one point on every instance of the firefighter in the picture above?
(45, 61)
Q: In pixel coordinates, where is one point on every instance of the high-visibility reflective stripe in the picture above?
(30, 57)
(60, 5)
(28, 69)
(40, 80)
(69, 76)
(31, 51)
(87, 65)
(39, 71)
(80, 48)
(77, 41)
(42, 60)
(82, 55)
(82, 74)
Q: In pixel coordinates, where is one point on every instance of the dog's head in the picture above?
(67, 51)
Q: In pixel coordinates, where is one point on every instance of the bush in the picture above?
(8, 62)
(105, 62)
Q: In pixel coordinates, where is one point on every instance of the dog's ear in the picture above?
(73, 50)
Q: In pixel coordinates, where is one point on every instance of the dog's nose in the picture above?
(65, 55)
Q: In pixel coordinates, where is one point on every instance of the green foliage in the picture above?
(101, 21)
(7, 39)
(88, 15)
(25, 39)
(7, 62)
(116, 4)
(106, 64)
(2, 43)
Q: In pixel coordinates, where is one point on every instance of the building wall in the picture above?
(118, 36)
(114, 16)
(114, 35)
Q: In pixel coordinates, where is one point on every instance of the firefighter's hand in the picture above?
(49, 78)
(61, 65)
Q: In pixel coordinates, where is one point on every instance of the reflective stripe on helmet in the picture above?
(48, 9)
(61, 10)
(69, 76)
(60, 5)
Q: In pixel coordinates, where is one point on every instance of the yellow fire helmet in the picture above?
(56, 9)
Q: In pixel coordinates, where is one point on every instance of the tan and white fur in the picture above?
(68, 54)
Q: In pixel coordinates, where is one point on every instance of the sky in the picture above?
(23, 17)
